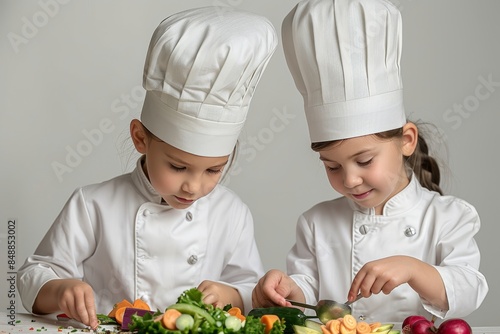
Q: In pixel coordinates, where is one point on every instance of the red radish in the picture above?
(454, 326)
(423, 326)
(406, 325)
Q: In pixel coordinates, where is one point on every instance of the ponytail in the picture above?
(424, 166)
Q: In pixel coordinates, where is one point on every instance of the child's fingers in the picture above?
(90, 311)
(355, 286)
(266, 292)
(78, 303)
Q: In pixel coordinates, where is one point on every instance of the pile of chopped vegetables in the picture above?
(191, 316)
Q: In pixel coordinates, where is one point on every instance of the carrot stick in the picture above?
(236, 311)
(268, 320)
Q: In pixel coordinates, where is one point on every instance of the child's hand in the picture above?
(388, 273)
(382, 276)
(71, 296)
(219, 294)
(273, 288)
(76, 299)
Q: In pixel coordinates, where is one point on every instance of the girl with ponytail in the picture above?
(393, 237)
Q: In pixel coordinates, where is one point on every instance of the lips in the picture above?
(361, 195)
(184, 200)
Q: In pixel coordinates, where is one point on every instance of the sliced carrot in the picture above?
(333, 326)
(374, 325)
(349, 322)
(123, 303)
(169, 318)
(119, 314)
(363, 328)
(344, 330)
(325, 329)
(141, 304)
(236, 311)
(268, 320)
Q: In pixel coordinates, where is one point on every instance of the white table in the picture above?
(27, 323)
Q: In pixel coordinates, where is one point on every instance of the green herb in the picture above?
(192, 296)
(278, 327)
(207, 319)
(105, 320)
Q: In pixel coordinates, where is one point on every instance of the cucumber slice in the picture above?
(304, 330)
(314, 325)
(380, 332)
(383, 328)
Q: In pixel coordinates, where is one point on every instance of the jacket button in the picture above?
(410, 231)
(193, 259)
(189, 216)
(145, 298)
(363, 229)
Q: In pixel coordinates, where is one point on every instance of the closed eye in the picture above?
(332, 168)
(365, 163)
(214, 171)
(177, 168)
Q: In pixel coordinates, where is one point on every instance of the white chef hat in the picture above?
(201, 71)
(344, 56)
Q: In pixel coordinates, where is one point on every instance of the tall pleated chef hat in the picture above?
(344, 56)
(201, 72)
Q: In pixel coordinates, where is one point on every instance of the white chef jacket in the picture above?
(119, 238)
(336, 238)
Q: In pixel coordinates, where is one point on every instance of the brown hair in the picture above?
(423, 165)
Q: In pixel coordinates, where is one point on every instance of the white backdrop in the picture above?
(71, 82)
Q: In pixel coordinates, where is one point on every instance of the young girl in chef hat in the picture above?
(167, 226)
(392, 231)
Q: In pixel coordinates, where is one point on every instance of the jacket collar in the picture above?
(142, 183)
(399, 203)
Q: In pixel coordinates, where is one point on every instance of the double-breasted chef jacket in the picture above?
(336, 238)
(118, 237)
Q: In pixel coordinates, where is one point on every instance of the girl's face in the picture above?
(369, 170)
(180, 178)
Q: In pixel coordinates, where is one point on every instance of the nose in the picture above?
(352, 179)
(192, 184)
